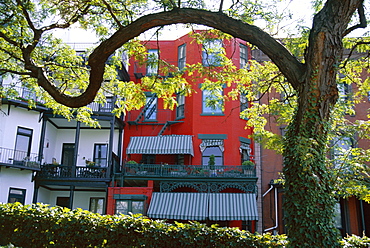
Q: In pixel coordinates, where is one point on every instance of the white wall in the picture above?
(86, 146)
(18, 117)
(81, 198)
(15, 178)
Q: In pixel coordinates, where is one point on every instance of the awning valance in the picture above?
(179, 206)
(202, 206)
(164, 144)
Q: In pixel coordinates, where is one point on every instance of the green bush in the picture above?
(43, 226)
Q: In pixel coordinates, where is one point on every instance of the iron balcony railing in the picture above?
(51, 171)
(166, 170)
(25, 94)
(18, 158)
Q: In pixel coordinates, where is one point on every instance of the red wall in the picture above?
(194, 123)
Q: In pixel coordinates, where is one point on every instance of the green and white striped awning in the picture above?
(232, 206)
(202, 206)
(179, 206)
(164, 144)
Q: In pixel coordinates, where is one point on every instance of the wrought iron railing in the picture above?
(160, 116)
(52, 171)
(19, 158)
(165, 170)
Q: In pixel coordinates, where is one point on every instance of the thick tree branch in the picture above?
(287, 63)
(362, 24)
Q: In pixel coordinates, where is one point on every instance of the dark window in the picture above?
(243, 56)
(129, 206)
(180, 110)
(100, 154)
(212, 103)
(96, 205)
(148, 159)
(68, 151)
(152, 66)
(16, 195)
(212, 51)
(151, 108)
(243, 102)
(22, 145)
(63, 202)
(181, 56)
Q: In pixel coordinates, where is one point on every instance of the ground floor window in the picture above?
(129, 206)
(62, 202)
(96, 205)
(16, 195)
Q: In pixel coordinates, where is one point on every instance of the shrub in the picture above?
(43, 226)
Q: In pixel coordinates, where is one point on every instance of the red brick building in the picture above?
(168, 171)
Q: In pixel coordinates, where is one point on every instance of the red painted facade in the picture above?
(228, 125)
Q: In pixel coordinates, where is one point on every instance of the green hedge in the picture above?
(43, 226)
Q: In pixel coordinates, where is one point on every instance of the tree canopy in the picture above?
(309, 69)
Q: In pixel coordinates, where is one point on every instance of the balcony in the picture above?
(188, 171)
(18, 159)
(24, 94)
(51, 171)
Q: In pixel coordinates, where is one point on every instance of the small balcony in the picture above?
(51, 171)
(18, 159)
(160, 116)
(188, 171)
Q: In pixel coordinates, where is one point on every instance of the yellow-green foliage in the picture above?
(43, 226)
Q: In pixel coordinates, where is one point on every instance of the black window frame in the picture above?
(129, 206)
(19, 155)
(180, 108)
(21, 197)
(96, 159)
(93, 206)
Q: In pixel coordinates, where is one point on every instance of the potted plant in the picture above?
(247, 166)
(211, 164)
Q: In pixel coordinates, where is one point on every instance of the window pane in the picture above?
(212, 150)
(152, 67)
(137, 207)
(151, 111)
(96, 205)
(212, 49)
(212, 103)
(121, 207)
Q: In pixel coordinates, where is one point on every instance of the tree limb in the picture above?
(362, 24)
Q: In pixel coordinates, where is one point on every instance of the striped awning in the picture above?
(232, 206)
(179, 206)
(202, 206)
(164, 144)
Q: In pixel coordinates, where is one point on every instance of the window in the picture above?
(151, 108)
(68, 152)
(129, 206)
(212, 104)
(16, 195)
(341, 151)
(211, 54)
(96, 205)
(345, 91)
(243, 102)
(148, 159)
(245, 151)
(63, 202)
(180, 110)
(100, 154)
(243, 56)
(22, 145)
(181, 53)
(152, 67)
(212, 147)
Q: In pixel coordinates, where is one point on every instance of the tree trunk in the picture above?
(309, 197)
